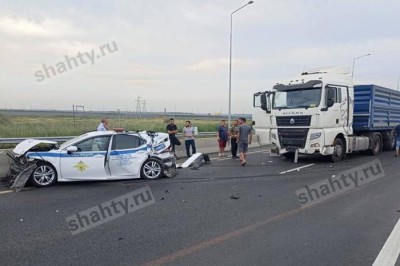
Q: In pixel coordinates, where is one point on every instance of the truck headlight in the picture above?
(315, 135)
(273, 135)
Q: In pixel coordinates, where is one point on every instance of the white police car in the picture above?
(103, 155)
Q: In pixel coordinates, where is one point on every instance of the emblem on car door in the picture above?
(81, 166)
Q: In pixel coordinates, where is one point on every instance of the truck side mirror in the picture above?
(264, 103)
(263, 100)
(330, 102)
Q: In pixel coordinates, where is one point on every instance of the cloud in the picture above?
(49, 27)
(217, 64)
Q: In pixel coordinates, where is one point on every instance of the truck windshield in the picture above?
(301, 98)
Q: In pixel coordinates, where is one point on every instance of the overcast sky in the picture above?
(175, 53)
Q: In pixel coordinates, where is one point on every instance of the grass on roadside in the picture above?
(17, 127)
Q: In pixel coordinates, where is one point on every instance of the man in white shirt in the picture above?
(103, 126)
(188, 133)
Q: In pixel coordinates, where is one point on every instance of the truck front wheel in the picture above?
(339, 151)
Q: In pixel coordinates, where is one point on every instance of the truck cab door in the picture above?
(333, 100)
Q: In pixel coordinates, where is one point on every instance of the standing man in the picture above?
(222, 138)
(243, 139)
(233, 131)
(172, 129)
(103, 126)
(188, 132)
(397, 129)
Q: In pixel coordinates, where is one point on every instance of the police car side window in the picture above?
(122, 142)
(94, 144)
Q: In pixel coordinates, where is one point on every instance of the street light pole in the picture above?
(230, 63)
(354, 61)
(398, 83)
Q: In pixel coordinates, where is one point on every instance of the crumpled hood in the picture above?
(28, 144)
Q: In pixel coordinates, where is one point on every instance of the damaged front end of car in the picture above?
(22, 165)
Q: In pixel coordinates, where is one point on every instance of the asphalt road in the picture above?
(221, 214)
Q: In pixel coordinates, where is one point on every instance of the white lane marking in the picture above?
(230, 158)
(391, 250)
(297, 169)
(6, 191)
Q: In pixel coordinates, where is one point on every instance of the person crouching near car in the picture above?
(222, 138)
(103, 126)
(188, 133)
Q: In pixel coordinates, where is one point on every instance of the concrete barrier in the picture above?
(4, 165)
(203, 145)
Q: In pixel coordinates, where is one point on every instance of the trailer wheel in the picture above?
(389, 141)
(376, 145)
(339, 151)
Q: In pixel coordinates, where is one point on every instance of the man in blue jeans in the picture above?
(188, 133)
(397, 129)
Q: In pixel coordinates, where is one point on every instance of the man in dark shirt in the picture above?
(244, 138)
(397, 129)
(172, 129)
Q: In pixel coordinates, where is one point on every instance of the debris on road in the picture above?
(236, 196)
(19, 172)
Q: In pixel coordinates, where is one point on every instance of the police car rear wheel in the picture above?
(152, 169)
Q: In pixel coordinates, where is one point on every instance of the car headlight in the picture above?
(315, 135)
(273, 135)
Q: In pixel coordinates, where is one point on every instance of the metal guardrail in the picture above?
(65, 138)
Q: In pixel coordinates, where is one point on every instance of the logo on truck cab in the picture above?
(292, 113)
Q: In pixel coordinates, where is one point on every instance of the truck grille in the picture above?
(294, 121)
(292, 137)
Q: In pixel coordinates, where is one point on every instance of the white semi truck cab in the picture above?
(321, 112)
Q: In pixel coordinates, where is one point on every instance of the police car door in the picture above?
(128, 152)
(88, 162)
